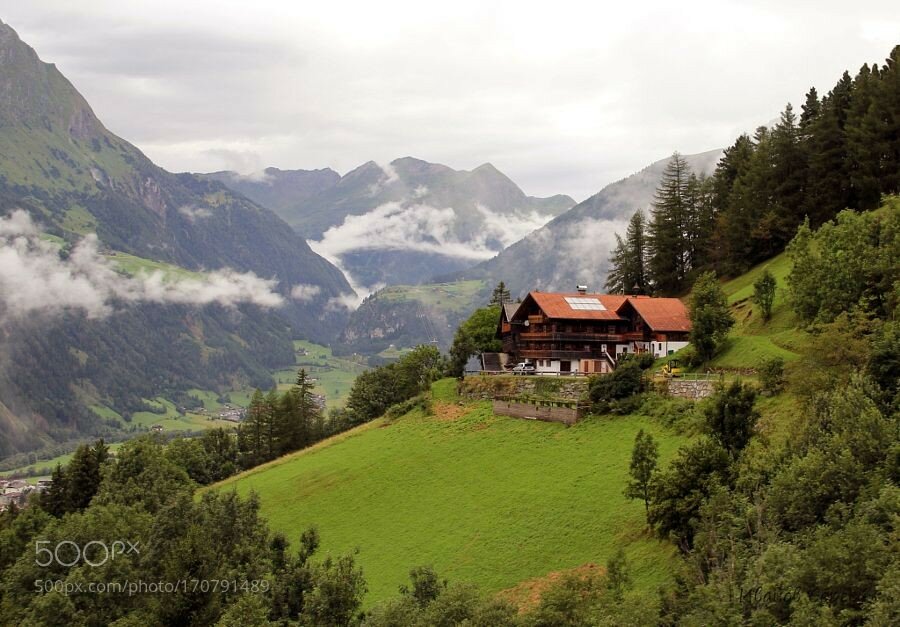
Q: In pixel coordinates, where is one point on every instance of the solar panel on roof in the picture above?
(585, 304)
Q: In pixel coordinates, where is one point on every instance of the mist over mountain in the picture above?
(574, 248)
(402, 222)
(214, 288)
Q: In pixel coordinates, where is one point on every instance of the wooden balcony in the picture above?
(565, 336)
(558, 354)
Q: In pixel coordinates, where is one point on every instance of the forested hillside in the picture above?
(93, 194)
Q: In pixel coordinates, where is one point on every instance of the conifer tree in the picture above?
(618, 262)
(500, 295)
(864, 131)
(628, 273)
(810, 110)
(829, 186)
(667, 239)
(788, 179)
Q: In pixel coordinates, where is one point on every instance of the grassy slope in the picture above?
(752, 341)
(487, 499)
(457, 296)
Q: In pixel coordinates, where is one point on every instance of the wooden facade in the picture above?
(588, 333)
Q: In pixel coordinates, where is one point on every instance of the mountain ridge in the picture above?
(446, 218)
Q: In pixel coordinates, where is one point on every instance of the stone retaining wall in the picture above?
(490, 387)
(692, 389)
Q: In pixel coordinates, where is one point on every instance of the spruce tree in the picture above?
(667, 239)
(885, 112)
(829, 187)
(618, 262)
(810, 110)
(636, 244)
(500, 295)
(788, 179)
(864, 130)
(628, 273)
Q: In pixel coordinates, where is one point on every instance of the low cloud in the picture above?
(193, 213)
(304, 293)
(34, 278)
(349, 301)
(510, 228)
(423, 228)
(411, 226)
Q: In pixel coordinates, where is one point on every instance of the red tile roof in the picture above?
(662, 314)
(554, 305)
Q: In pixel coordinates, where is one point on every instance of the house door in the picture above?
(565, 366)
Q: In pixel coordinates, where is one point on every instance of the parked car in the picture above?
(523, 368)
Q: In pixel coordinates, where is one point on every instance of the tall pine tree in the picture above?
(667, 238)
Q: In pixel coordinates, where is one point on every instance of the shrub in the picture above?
(771, 376)
(623, 382)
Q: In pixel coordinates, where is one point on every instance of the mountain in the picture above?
(574, 247)
(402, 222)
(279, 190)
(78, 181)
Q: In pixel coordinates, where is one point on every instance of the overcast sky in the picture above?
(563, 97)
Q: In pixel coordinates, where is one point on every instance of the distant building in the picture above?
(587, 333)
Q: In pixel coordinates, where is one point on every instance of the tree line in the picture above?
(841, 151)
(799, 529)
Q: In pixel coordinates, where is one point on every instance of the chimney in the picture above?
(582, 289)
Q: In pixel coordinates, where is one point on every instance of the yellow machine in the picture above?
(671, 369)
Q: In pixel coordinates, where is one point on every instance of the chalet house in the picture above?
(588, 333)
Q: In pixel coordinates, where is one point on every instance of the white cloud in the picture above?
(423, 228)
(350, 301)
(193, 213)
(510, 228)
(303, 292)
(33, 278)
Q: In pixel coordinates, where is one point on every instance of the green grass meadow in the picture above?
(483, 498)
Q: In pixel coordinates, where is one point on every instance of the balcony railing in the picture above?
(566, 336)
(558, 354)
